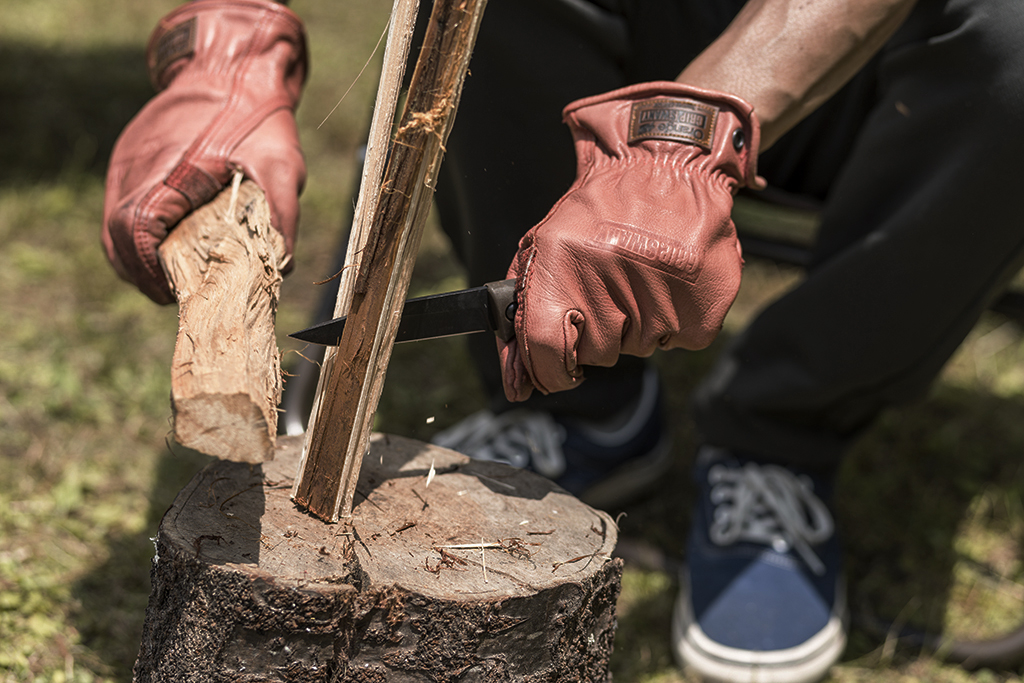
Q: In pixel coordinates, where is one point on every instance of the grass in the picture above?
(931, 500)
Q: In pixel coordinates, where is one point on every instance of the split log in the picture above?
(352, 380)
(451, 570)
(223, 264)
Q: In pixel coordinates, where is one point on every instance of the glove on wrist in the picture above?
(641, 253)
(229, 74)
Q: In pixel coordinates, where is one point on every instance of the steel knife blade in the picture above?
(490, 307)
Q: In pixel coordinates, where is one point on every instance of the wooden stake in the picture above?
(396, 55)
(340, 426)
(223, 265)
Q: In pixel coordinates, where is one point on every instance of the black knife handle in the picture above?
(502, 309)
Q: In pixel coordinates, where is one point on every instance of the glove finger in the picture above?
(133, 230)
(271, 156)
(550, 336)
(514, 377)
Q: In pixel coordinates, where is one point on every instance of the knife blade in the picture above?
(490, 307)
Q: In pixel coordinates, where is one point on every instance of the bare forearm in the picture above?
(786, 57)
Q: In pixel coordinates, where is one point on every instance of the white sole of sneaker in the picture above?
(711, 661)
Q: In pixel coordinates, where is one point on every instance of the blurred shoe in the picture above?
(604, 464)
(763, 596)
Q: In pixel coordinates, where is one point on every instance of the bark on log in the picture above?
(452, 570)
(223, 264)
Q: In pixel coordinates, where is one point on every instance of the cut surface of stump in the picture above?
(452, 570)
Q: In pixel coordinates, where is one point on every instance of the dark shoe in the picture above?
(763, 597)
(604, 464)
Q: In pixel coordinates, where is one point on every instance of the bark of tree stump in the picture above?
(453, 570)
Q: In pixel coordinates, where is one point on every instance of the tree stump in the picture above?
(451, 570)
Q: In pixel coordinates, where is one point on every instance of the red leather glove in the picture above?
(641, 253)
(229, 74)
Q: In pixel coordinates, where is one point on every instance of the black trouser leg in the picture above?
(510, 157)
(922, 229)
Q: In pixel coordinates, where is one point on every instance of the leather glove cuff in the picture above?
(215, 38)
(652, 118)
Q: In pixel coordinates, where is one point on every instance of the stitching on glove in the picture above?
(522, 289)
(145, 246)
(197, 185)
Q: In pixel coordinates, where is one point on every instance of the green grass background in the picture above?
(930, 501)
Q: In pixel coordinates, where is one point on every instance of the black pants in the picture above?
(915, 159)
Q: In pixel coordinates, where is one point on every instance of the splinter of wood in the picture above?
(346, 400)
(223, 263)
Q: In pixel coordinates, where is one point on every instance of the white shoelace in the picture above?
(770, 505)
(515, 438)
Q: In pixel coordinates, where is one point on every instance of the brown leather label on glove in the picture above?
(179, 42)
(682, 120)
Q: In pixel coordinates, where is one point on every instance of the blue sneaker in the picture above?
(763, 596)
(604, 464)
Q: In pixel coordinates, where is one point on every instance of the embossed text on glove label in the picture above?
(656, 251)
(667, 118)
(179, 42)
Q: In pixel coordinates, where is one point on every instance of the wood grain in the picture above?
(223, 262)
(351, 384)
(480, 572)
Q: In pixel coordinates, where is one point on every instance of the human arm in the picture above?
(786, 57)
(582, 300)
